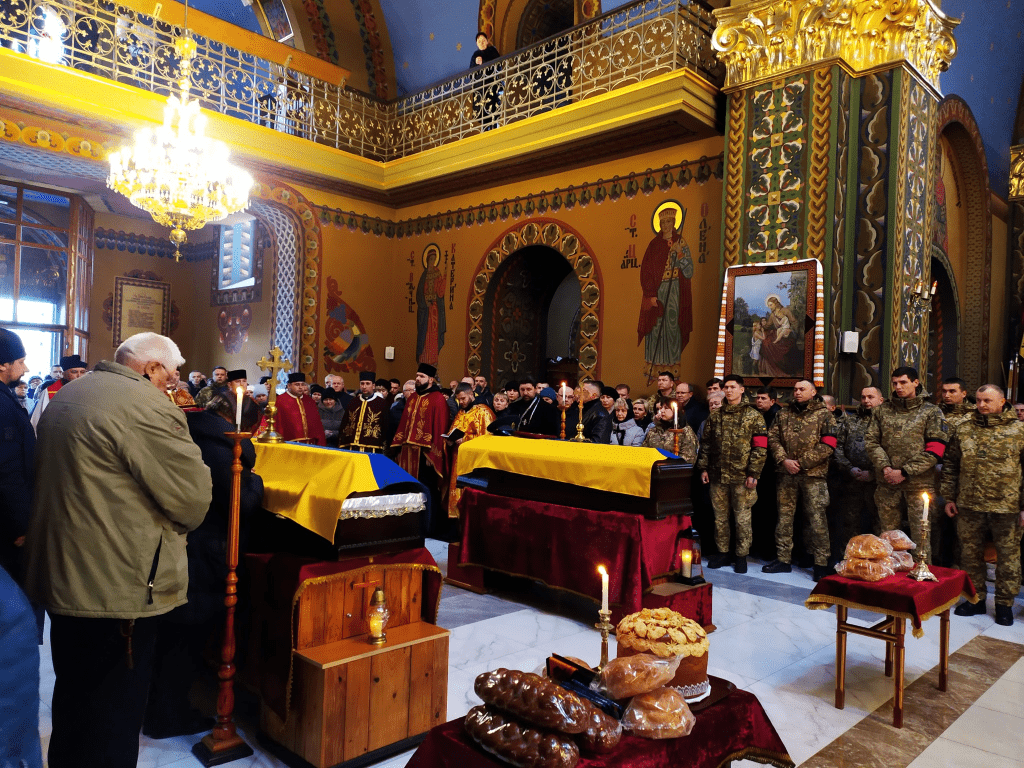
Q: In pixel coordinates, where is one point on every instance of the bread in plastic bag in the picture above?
(868, 547)
(534, 699)
(865, 570)
(898, 540)
(902, 561)
(632, 675)
(659, 714)
(518, 744)
(602, 734)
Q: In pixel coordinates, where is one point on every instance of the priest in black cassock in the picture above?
(363, 426)
(536, 415)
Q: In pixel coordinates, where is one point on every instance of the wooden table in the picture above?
(898, 598)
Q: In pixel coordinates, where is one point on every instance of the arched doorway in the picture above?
(516, 330)
(943, 327)
(561, 256)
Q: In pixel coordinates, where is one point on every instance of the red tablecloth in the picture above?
(898, 595)
(562, 546)
(733, 729)
(275, 583)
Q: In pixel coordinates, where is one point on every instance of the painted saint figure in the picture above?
(780, 338)
(666, 309)
(430, 296)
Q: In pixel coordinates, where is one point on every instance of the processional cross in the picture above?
(275, 365)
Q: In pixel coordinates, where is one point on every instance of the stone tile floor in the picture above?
(766, 642)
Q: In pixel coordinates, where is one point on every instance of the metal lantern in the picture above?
(377, 617)
(691, 571)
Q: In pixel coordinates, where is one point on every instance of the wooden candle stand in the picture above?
(224, 745)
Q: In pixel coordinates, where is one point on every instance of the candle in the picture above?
(565, 393)
(604, 587)
(376, 625)
(675, 415)
(238, 407)
(924, 516)
(686, 558)
(935, 286)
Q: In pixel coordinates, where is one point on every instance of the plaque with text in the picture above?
(140, 305)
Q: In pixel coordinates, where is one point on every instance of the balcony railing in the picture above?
(620, 48)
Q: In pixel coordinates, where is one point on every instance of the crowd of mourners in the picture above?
(107, 473)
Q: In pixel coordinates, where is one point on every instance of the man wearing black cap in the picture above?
(297, 415)
(362, 428)
(420, 436)
(74, 367)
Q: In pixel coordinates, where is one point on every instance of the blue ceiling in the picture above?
(986, 73)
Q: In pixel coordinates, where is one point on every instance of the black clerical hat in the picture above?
(238, 373)
(293, 377)
(430, 370)
(264, 379)
(72, 361)
(11, 348)
(367, 375)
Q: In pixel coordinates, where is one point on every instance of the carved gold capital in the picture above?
(1016, 173)
(765, 38)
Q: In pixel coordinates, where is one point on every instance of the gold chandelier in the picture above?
(179, 176)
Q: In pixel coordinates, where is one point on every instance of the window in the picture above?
(45, 271)
(236, 256)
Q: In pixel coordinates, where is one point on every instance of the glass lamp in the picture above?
(377, 617)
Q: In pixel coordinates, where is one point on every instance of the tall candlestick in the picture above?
(675, 415)
(686, 560)
(604, 587)
(925, 514)
(239, 392)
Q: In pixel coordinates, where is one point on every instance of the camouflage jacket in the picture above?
(850, 449)
(907, 434)
(659, 437)
(982, 467)
(806, 433)
(734, 444)
(958, 414)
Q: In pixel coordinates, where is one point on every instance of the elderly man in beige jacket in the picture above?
(119, 483)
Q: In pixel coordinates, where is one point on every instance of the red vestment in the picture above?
(424, 422)
(298, 418)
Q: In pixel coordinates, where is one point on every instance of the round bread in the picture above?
(663, 632)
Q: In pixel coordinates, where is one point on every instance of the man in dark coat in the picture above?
(17, 456)
(597, 422)
(185, 630)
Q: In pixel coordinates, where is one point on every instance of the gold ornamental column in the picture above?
(831, 153)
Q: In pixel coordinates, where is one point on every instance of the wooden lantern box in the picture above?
(350, 698)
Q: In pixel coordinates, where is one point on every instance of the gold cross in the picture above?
(274, 366)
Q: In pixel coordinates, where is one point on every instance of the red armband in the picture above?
(830, 441)
(935, 447)
(759, 441)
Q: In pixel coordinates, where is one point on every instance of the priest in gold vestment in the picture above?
(471, 421)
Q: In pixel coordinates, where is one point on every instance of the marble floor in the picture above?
(766, 642)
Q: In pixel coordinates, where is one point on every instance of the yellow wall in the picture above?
(373, 271)
(187, 283)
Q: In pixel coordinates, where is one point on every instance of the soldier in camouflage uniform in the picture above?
(983, 484)
(957, 409)
(732, 454)
(906, 438)
(856, 493)
(801, 440)
(659, 436)
(955, 406)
